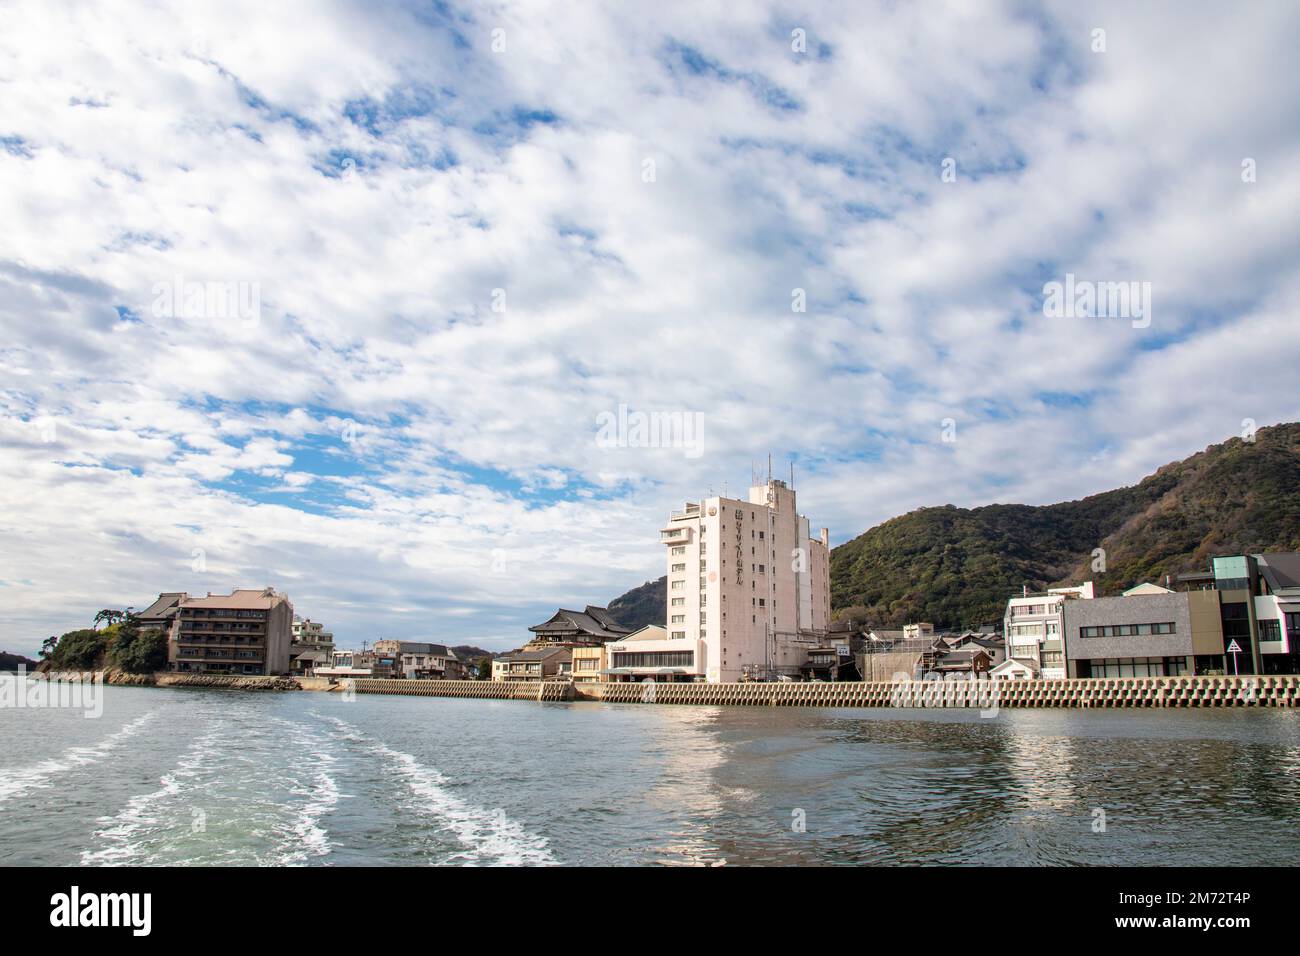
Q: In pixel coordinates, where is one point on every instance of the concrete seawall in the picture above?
(493, 690)
(1267, 691)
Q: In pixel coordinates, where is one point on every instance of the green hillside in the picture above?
(957, 566)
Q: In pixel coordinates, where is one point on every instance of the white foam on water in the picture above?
(46, 773)
(124, 833)
(306, 836)
(488, 835)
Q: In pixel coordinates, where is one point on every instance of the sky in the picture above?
(365, 301)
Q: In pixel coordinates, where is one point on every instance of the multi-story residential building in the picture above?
(589, 664)
(1034, 628)
(546, 663)
(419, 660)
(244, 632)
(748, 586)
(312, 647)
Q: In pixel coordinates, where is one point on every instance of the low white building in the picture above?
(650, 654)
(1015, 669)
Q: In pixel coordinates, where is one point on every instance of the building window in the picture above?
(679, 567)
(1270, 630)
(679, 619)
(680, 549)
(678, 585)
(1128, 630)
(654, 658)
(678, 602)
(1134, 667)
(678, 635)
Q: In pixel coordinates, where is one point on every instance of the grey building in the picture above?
(1149, 632)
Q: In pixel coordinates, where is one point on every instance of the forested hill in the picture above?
(957, 566)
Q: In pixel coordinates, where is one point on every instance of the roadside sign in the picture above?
(1234, 649)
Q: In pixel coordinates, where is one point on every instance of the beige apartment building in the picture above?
(244, 632)
(588, 664)
(748, 586)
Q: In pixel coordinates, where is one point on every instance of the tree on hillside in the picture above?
(79, 650)
(47, 647)
(143, 653)
(108, 617)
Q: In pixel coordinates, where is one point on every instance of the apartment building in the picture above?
(748, 586)
(419, 660)
(244, 632)
(547, 663)
(1034, 628)
(589, 664)
(312, 647)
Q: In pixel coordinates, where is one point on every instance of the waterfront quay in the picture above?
(1247, 691)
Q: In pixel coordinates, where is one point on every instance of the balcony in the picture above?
(680, 535)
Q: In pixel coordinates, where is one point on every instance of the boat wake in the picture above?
(304, 835)
(489, 836)
(45, 774)
(126, 835)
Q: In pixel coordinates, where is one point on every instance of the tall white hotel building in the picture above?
(748, 586)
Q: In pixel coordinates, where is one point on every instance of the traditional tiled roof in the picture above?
(594, 622)
(536, 655)
(164, 607)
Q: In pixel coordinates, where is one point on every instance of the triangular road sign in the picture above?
(1234, 648)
